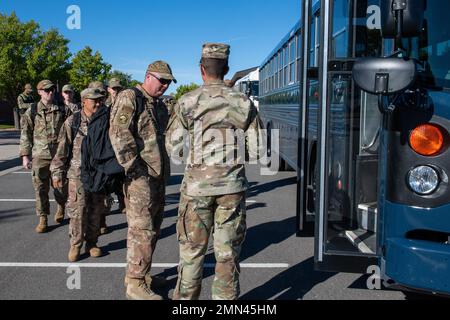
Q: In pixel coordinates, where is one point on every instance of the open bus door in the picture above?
(307, 141)
(348, 124)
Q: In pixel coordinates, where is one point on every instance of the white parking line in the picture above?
(21, 200)
(123, 265)
(34, 200)
(8, 171)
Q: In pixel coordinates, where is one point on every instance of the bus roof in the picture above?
(315, 7)
(282, 43)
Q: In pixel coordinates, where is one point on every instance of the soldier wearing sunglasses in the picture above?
(38, 143)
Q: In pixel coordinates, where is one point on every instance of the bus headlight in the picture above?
(423, 180)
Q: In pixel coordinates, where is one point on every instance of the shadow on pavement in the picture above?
(8, 164)
(257, 189)
(292, 284)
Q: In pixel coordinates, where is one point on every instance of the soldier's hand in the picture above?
(26, 162)
(57, 183)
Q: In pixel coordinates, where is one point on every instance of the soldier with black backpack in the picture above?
(84, 207)
(41, 124)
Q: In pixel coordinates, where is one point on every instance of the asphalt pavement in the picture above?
(275, 263)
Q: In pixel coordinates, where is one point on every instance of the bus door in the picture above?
(309, 107)
(348, 138)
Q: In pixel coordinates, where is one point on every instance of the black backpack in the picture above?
(100, 170)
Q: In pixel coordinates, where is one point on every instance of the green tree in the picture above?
(134, 83)
(50, 58)
(125, 78)
(17, 41)
(87, 67)
(28, 55)
(183, 89)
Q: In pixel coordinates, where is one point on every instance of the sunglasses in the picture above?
(162, 81)
(48, 90)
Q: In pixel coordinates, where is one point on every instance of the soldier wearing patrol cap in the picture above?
(109, 200)
(213, 190)
(114, 87)
(137, 130)
(98, 85)
(68, 94)
(25, 99)
(84, 209)
(41, 125)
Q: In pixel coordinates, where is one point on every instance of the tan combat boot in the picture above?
(59, 215)
(93, 251)
(42, 226)
(74, 254)
(154, 282)
(137, 289)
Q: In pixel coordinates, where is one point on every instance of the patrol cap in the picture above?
(92, 93)
(163, 69)
(98, 85)
(114, 83)
(45, 84)
(68, 87)
(216, 51)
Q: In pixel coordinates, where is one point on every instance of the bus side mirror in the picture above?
(402, 18)
(384, 76)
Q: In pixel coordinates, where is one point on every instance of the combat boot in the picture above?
(59, 215)
(74, 254)
(154, 282)
(137, 289)
(42, 226)
(93, 251)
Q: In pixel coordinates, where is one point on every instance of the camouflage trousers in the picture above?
(225, 217)
(84, 210)
(145, 200)
(41, 176)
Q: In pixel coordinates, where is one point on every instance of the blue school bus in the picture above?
(373, 151)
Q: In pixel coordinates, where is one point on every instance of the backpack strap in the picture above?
(76, 123)
(140, 104)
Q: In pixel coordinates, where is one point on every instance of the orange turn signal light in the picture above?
(427, 140)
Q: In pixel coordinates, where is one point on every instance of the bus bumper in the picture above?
(419, 264)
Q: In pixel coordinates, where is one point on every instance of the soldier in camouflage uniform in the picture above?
(109, 200)
(114, 87)
(68, 93)
(25, 100)
(137, 136)
(84, 209)
(213, 189)
(40, 138)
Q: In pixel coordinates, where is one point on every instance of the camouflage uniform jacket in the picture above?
(24, 102)
(137, 137)
(71, 108)
(40, 137)
(67, 144)
(214, 107)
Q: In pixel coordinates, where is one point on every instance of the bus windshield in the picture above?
(433, 46)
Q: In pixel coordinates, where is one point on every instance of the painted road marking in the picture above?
(123, 265)
(169, 201)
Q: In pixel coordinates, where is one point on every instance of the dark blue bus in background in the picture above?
(360, 91)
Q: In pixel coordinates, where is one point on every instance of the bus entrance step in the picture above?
(365, 241)
(367, 216)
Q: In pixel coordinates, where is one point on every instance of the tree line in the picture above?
(28, 54)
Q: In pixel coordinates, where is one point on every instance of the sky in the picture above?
(131, 34)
